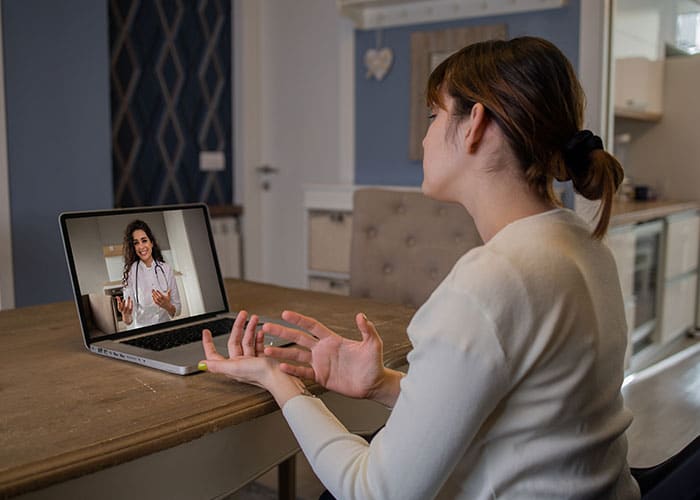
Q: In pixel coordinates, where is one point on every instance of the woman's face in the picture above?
(443, 153)
(143, 246)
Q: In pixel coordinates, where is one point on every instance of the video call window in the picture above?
(180, 267)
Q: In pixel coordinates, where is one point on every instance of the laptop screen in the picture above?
(137, 270)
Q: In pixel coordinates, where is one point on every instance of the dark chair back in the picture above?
(677, 478)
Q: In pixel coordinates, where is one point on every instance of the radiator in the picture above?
(228, 247)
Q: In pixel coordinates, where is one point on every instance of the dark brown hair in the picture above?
(529, 88)
(128, 246)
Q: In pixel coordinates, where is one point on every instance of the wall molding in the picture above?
(372, 14)
(7, 288)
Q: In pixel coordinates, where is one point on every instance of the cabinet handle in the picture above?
(337, 217)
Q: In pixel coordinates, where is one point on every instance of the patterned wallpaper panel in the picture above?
(170, 86)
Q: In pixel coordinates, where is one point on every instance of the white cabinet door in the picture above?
(329, 242)
(621, 241)
(639, 88)
(679, 307)
(683, 236)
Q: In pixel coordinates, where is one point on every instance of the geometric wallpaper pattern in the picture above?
(170, 93)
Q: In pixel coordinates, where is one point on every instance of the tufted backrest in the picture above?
(404, 244)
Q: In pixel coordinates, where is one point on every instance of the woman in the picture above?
(513, 386)
(149, 283)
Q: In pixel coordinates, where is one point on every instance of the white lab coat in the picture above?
(159, 277)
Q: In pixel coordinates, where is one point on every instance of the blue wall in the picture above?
(382, 107)
(58, 131)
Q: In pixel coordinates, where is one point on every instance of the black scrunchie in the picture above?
(578, 149)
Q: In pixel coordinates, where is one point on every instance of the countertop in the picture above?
(633, 212)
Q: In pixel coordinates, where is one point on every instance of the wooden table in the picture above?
(68, 414)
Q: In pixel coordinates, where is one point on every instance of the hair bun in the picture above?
(577, 151)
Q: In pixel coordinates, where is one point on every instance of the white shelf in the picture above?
(372, 14)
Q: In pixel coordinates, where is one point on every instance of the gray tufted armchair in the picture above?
(404, 244)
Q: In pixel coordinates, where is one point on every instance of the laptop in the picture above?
(178, 260)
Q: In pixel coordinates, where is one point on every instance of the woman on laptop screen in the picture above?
(513, 384)
(150, 291)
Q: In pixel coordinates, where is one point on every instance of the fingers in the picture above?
(244, 340)
(296, 336)
(160, 298)
(124, 306)
(259, 342)
(366, 327)
(209, 348)
(307, 323)
(289, 354)
(298, 371)
(234, 340)
(249, 338)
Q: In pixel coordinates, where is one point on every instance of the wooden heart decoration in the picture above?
(378, 62)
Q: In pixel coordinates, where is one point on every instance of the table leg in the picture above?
(286, 479)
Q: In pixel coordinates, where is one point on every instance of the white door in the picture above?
(293, 74)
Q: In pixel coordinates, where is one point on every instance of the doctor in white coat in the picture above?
(150, 292)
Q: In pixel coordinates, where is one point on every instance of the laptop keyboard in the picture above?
(182, 336)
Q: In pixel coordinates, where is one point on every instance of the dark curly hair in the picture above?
(130, 252)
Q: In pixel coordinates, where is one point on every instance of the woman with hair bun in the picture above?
(513, 385)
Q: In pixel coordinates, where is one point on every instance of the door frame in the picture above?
(7, 288)
(596, 73)
(245, 26)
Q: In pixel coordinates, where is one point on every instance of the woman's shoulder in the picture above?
(484, 272)
(166, 267)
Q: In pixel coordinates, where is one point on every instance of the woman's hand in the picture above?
(246, 362)
(163, 300)
(349, 367)
(125, 307)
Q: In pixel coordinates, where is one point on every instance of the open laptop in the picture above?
(189, 271)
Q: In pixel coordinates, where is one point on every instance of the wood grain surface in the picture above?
(67, 412)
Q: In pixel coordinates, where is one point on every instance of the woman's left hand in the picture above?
(247, 362)
(163, 300)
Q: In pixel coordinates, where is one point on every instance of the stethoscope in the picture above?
(136, 279)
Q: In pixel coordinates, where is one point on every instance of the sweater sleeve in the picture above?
(457, 376)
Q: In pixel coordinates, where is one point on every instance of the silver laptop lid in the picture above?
(183, 266)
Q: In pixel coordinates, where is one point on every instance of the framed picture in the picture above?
(428, 50)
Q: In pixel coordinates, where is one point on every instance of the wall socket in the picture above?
(212, 161)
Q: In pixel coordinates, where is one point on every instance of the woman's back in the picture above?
(549, 293)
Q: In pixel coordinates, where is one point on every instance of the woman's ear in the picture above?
(477, 126)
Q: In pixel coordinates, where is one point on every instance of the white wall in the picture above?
(666, 154)
(638, 34)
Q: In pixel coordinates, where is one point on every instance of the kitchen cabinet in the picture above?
(621, 240)
(639, 88)
(328, 227)
(678, 311)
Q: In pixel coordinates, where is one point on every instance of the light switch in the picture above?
(212, 161)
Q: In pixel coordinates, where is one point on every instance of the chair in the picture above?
(404, 244)
(677, 478)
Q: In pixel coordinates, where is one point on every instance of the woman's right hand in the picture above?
(125, 307)
(349, 367)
